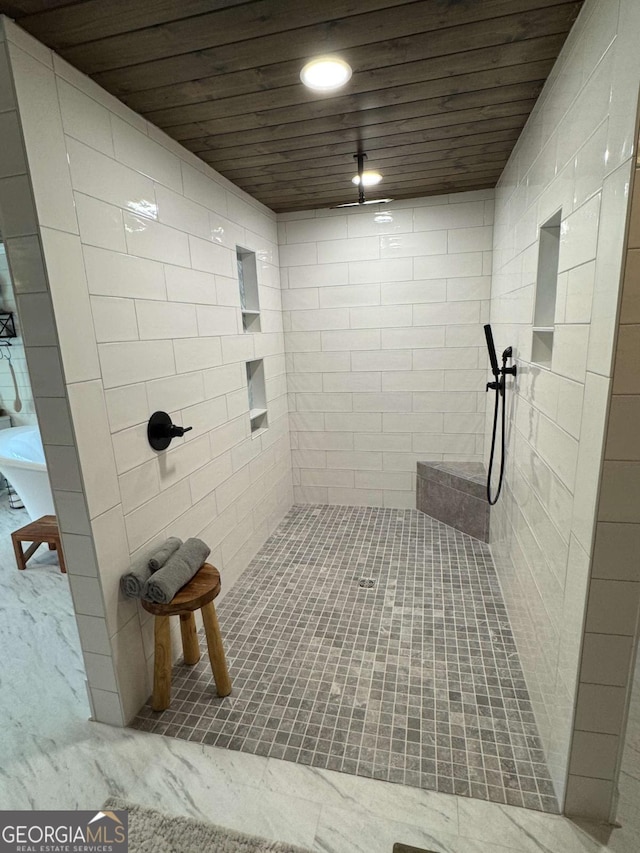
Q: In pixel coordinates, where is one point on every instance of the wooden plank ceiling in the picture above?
(440, 90)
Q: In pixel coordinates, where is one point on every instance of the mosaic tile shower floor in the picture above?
(414, 679)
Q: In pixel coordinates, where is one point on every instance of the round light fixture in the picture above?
(369, 179)
(325, 73)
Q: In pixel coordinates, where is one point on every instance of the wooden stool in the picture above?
(45, 529)
(198, 594)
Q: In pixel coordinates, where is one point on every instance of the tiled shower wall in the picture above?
(611, 626)
(16, 397)
(383, 311)
(138, 239)
(575, 154)
(628, 806)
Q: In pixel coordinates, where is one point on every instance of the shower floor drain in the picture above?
(366, 583)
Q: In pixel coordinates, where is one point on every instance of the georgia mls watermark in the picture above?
(64, 832)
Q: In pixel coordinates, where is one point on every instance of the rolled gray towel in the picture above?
(176, 572)
(132, 582)
(160, 556)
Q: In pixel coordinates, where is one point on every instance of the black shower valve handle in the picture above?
(498, 384)
(178, 431)
(161, 431)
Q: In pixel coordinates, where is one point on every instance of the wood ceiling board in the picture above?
(254, 20)
(465, 185)
(409, 165)
(417, 178)
(417, 129)
(88, 20)
(20, 8)
(440, 138)
(439, 94)
(217, 102)
(393, 38)
(236, 92)
(319, 196)
(265, 116)
(368, 122)
(435, 187)
(346, 166)
(313, 197)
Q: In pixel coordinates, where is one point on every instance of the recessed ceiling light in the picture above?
(369, 179)
(325, 73)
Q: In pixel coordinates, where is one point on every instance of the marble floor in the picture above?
(41, 664)
(53, 757)
(374, 642)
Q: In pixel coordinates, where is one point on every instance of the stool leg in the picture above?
(216, 650)
(161, 698)
(25, 556)
(31, 550)
(190, 645)
(58, 547)
(17, 547)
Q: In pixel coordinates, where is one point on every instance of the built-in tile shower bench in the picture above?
(455, 493)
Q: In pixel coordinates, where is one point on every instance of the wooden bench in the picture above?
(44, 530)
(198, 594)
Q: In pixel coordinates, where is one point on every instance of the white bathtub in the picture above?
(22, 463)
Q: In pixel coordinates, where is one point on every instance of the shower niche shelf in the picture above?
(258, 416)
(546, 290)
(542, 347)
(248, 284)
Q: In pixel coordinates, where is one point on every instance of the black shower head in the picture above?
(492, 350)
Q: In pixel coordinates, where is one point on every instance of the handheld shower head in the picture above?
(500, 387)
(492, 350)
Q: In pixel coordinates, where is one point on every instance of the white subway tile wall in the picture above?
(383, 312)
(611, 627)
(139, 242)
(575, 156)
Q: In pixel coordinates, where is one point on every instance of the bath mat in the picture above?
(151, 831)
(405, 848)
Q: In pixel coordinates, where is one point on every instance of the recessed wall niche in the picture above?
(257, 395)
(546, 289)
(248, 284)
